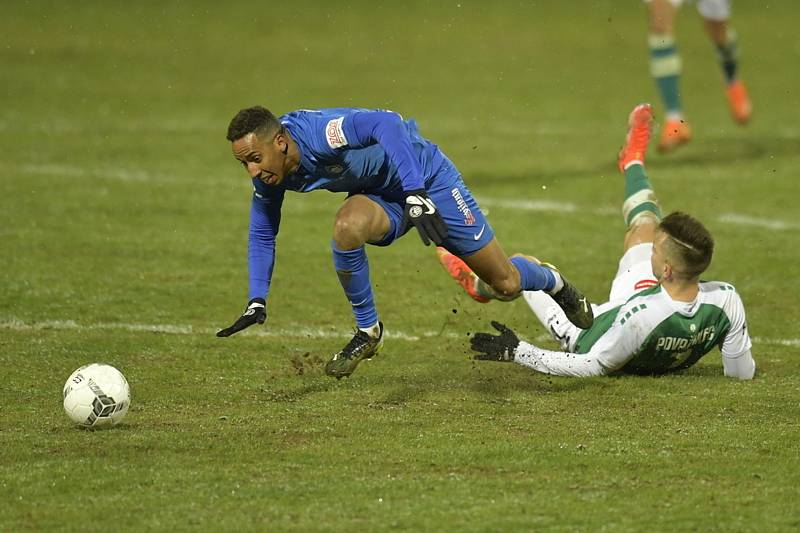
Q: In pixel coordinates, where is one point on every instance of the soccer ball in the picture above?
(96, 395)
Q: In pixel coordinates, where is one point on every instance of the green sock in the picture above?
(729, 56)
(483, 289)
(639, 195)
(665, 67)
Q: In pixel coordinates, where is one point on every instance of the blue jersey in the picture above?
(342, 150)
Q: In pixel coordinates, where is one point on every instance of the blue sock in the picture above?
(352, 268)
(533, 277)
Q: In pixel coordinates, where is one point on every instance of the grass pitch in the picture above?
(123, 224)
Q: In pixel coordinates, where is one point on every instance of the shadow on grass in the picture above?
(701, 370)
(718, 150)
(296, 393)
(517, 379)
(396, 395)
(727, 151)
(491, 382)
(115, 427)
(399, 397)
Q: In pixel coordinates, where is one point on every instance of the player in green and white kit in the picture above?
(660, 317)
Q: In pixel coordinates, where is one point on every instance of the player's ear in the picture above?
(281, 143)
(666, 270)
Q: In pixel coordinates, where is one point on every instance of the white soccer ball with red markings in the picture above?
(96, 395)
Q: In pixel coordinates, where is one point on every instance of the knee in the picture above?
(661, 26)
(662, 17)
(348, 232)
(507, 287)
(642, 229)
(718, 31)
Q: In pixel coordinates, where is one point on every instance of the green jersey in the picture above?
(651, 334)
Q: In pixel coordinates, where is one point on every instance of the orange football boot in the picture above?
(640, 124)
(460, 272)
(674, 133)
(739, 102)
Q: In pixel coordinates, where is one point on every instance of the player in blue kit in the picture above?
(395, 179)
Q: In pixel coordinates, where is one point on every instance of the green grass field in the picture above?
(123, 228)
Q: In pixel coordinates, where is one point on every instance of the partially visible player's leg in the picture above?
(665, 67)
(716, 14)
(503, 278)
(475, 259)
(641, 231)
(553, 318)
(502, 283)
(661, 16)
(640, 210)
(489, 274)
(471, 239)
(358, 221)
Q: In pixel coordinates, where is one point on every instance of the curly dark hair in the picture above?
(690, 243)
(256, 119)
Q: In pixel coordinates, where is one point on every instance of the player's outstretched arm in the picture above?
(264, 223)
(507, 347)
(255, 312)
(559, 363)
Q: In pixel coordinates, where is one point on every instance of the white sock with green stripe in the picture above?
(665, 67)
(640, 200)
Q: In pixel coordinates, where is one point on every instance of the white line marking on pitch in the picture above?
(177, 329)
(568, 207)
(115, 173)
(123, 174)
(745, 220)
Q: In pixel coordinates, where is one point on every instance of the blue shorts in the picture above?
(467, 228)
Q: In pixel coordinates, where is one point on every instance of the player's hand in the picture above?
(422, 213)
(256, 311)
(495, 347)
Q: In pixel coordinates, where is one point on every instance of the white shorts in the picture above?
(635, 273)
(710, 9)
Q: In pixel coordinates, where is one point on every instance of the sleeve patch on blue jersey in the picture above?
(334, 133)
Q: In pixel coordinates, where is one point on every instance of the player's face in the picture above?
(264, 158)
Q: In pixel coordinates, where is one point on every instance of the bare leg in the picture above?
(725, 41)
(359, 221)
(662, 17)
(494, 269)
(665, 68)
(717, 31)
(506, 278)
(641, 231)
